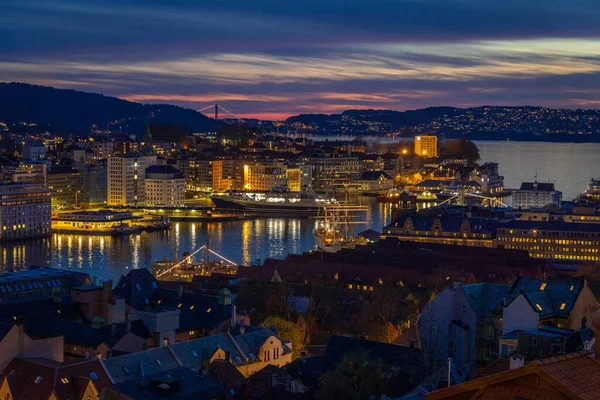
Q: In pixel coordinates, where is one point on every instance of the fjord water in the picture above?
(569, 166)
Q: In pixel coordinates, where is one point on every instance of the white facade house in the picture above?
(34, 151)
(126, 179)
(536, 195)
(25, 211)
(165, 186)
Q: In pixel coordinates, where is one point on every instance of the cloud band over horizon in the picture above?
(272, 59)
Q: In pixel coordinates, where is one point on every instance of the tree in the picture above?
(286, 330)
(461, 148)
(356, 377)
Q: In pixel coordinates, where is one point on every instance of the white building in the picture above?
(126, 179)
(25, 211)
(426, 146)
(34, 151)
(165, 186)
(536, 195)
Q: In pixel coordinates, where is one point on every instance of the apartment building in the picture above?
(25, 211)
(126, 179)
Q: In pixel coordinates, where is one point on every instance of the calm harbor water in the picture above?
(569, 166)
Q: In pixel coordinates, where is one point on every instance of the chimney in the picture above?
(596, 324)
(584, 322)
(516, 361)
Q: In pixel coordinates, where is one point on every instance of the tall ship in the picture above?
(591, 195)
(333, 229)
(210, 262)
(276, 202)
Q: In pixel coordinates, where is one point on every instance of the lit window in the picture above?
(209, 310)
(572, 287)
(38, 380)
(179, 305)
(538, 306)
(192, 307)
(543, 286)
(64, 380)
(563, 305)
(191, 333)
(350, 286)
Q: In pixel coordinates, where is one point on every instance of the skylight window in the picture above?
(237, 359)
(538, 307)
(154, 285)
(158, 362)
(179, 305)
(137, 286)
(94, 376)
(126, 370)
(194, 353)
(65, 380)
(38, 380)
(192, 307)
(562, 306)
(543, 286)
(572, 287)
(209, 310)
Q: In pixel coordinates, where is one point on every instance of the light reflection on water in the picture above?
(245, 242)
(569, 166)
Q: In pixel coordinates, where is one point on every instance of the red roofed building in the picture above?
(39, 378)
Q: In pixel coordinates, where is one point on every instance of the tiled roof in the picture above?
(574, 376)
(74, 332)
(393, 354)
(308, 370)
(68, 379)
(180, 383)
(485, 298)
(130, 366)
(538, 186)
(192, 353)
(137, 286)
(374, 175)
(547, 297)
(423, 222)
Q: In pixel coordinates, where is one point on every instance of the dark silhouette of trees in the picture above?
(461, 148)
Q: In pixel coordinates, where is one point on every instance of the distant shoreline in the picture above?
(578, 139)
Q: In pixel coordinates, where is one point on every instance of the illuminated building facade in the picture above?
(330, 172)
(299, 177)
(126, 179)
(461, 231)
(552, 240)
(202, 174)
(165, 186)
(426, 146)
(25, 211)
(262, 176)
(536, 195)
(66, 185)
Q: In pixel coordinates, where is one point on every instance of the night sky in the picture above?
(275, 58)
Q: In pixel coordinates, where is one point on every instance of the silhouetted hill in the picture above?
(397, 118)
(70, 111)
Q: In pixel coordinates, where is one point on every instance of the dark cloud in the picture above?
(298, 56)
